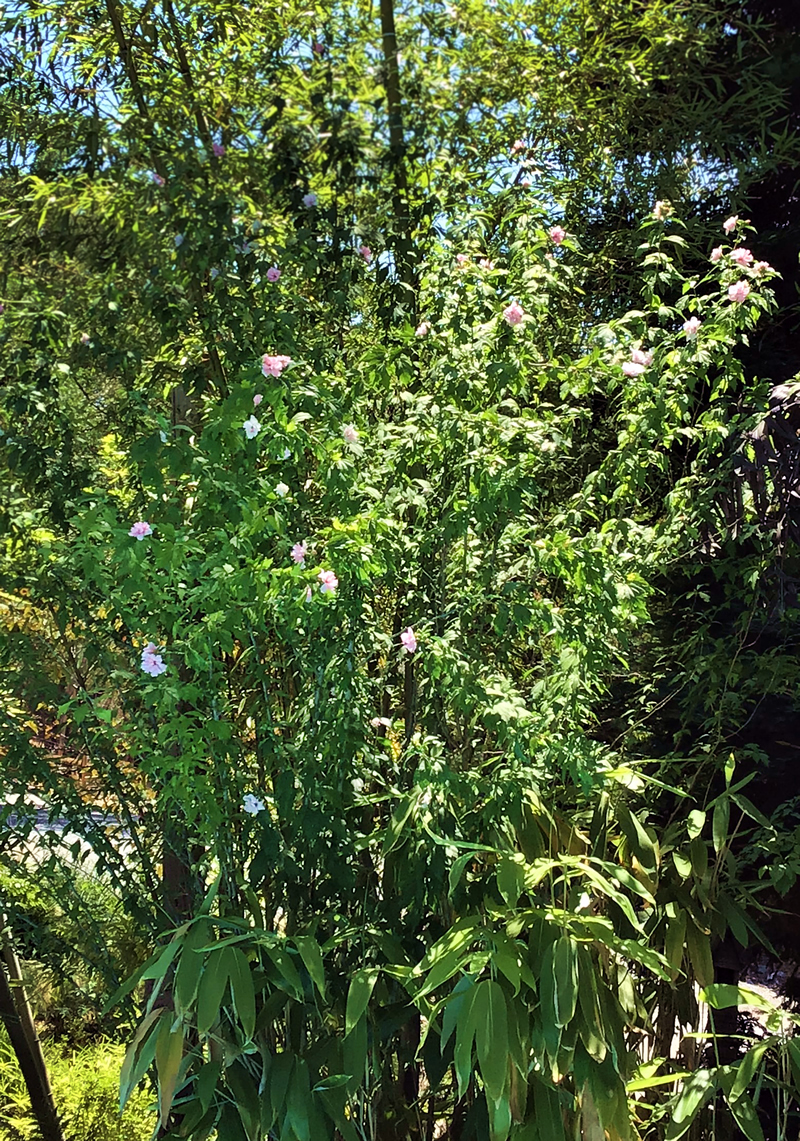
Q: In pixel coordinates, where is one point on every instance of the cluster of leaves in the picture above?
(443, 891)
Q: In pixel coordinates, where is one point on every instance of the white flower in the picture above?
(252, 804)
(281, 489)
(251, 427)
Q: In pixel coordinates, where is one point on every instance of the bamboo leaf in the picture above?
(694, 1093)
(311, 955)
(491, 1036)
(169, 1052)
(361, 986)
(242, 991)
(565, 980)
(212, 988)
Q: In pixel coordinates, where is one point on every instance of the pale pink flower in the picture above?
(517, 147)
(329, 582)
(251, 427)
(257, 399)
(350, 434)
(85, 338)
(366, 253)
(153, 663)
(485, 263)
(730, 224)
(761, 266)
(630, 368)
(299, 551)
(513, 314)
(179, 240)
(158, 179)
(716, 253)
(150, 648)
(218, 149)
(409, 640)
(281, 489)
(308, 594)
(274, 366)
(557, 235)
(213, 273)
(738, 291)
(462, 259)
(741, 256)
(309, 201)
(140, 531)
(691, 327)
(639, 357)
(273, 273)
(422, 329)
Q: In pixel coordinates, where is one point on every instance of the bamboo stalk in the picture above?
(17, 1017)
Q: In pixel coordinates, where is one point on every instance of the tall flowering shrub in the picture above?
(362, 642)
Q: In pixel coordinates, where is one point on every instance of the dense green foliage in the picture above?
(421, 693)
(85, 1086)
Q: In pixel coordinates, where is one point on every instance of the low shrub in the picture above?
(86, 1091)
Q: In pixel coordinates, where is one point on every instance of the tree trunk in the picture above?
(17, 1018)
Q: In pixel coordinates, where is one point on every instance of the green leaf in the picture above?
(565, 980)
(695, 823)
(699, 945)
(491, 1036)
(510, 879)
(465, 1035)
(453, 1005)
(722, 995)
(547, 1111)
(746, 1069)
(746, 1117)
(212, 988)
(334, 1081)
(245, 1096)
(675, 940)
(289, 976)
(698, 854)
(190, 968)
(311, 955)
(139, 1055)
(361, 986)
(274, 1095)
(206, 1083)
(693, 1094)
(397, 823)
(719, 822)
(242, 991)
(298, 1102)
(749, 809)
(169, 1053)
